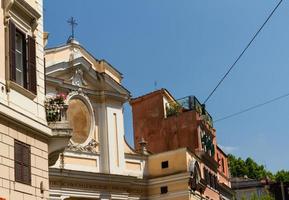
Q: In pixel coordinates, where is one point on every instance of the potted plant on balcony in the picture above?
(173, 109)
(54, 106)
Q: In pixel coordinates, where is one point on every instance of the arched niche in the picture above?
(80, 117)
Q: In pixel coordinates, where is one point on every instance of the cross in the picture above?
(73, 24)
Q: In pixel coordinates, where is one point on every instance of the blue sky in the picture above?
(187, 46)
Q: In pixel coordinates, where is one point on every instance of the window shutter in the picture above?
(26, 155)
(26, 164)
(22, 157)
(12, 35)
(18, 152)
(18, 161)
(32, 65)
(18, 172)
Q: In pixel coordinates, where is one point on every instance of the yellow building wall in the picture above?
(177, 163)
(172, 187)
(132, 166)
(80, 161)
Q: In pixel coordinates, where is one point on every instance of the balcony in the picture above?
(188, 103)
(58, 123)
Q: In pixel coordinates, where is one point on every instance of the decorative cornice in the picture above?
(25, 7)
(85, 181)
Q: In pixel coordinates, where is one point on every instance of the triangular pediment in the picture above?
(72, 51)
(80, 73)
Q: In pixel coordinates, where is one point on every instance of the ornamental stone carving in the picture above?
(89, 148)
(77, 79)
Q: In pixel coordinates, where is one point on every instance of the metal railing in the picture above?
(187, 104)
(57, 115)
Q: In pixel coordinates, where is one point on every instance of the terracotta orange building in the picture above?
(167, 124)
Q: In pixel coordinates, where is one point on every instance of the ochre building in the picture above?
(180, 137)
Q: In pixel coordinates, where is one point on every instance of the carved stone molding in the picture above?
(77, 79)
(78, 92)
(89, 148)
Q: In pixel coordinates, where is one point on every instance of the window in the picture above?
(20, 58)
(22, 162)
(223, 165)
(164, 189)
(207, 143)
(22, 54)
(165, 164)
(210, 179)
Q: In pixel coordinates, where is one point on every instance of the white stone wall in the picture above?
(115, 133)
(30, 107)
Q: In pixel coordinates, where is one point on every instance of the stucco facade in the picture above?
(62, 127)
(97, 151)
(23, 126)
(167, 125)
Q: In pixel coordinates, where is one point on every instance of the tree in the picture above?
(240, 168)
(249, 168)
(282, 176)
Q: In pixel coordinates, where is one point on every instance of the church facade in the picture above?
(97, 163)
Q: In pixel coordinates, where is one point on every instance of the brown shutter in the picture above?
(22, 159)
(44, 77)
(12, 36)
(32, 65)
(18, 161)
(26, 164)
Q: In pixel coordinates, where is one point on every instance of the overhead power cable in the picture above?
(242, 53)
(252, 107)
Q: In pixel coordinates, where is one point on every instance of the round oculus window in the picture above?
(79, 120)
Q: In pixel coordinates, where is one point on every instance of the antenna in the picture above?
(155, 84)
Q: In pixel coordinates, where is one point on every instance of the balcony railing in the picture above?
(187, 104)
(56, 108)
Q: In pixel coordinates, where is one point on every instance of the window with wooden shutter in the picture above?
(22, 160)
(22, 54)
(32, 65)
(12, 58)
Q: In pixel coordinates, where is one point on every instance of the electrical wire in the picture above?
(242, 53)
(252, 107)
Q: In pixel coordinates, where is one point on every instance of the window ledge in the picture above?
(22, 90)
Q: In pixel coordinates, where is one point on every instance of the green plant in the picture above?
(53, 107)
(173, 109)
